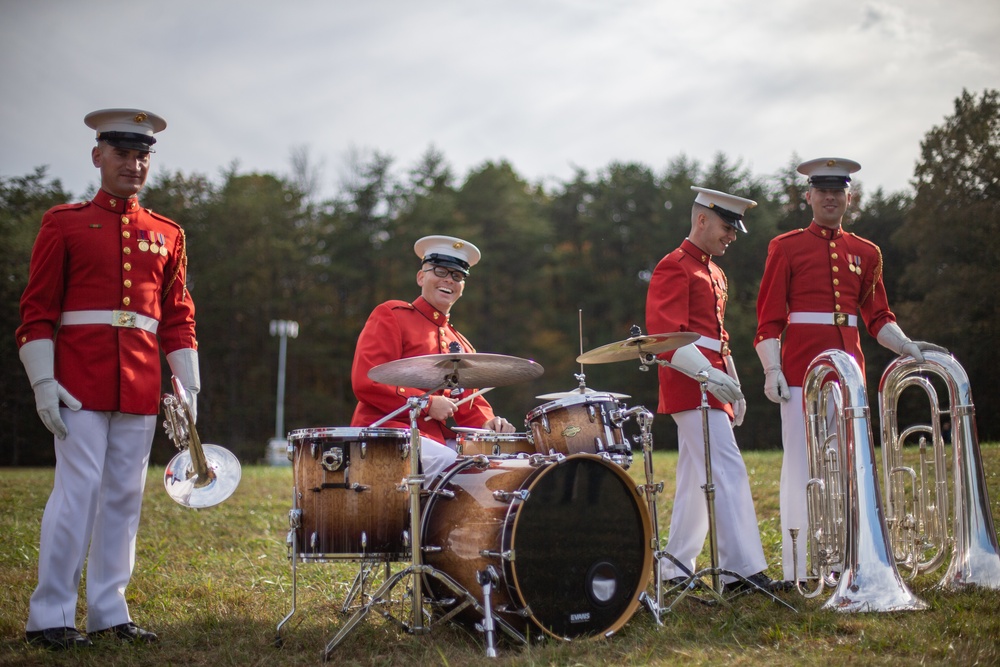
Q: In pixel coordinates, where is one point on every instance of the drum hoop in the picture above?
(568, 401)
(492, 437)
(349, 433)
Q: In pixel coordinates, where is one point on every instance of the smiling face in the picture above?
(442, 293)
(829, 205)
(123, 171)
(711, 233)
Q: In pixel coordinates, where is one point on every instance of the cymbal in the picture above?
(635, 347)
(586, 391)
(465, 369)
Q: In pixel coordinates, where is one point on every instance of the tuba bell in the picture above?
(846, 532)
(916, 501)
(199, 475)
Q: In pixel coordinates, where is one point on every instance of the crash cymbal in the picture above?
(586, 391)
(473, 369)
(635, 347)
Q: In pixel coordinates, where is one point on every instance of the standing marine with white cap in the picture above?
(401, 329)
(816, 281)
(688, 292)
(110, 277)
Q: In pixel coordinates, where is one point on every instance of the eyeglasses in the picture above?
(442, 272)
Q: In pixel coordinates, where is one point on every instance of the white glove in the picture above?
(690, 359)
(740, 406)
(184, 365)
(38, 358)
(775, 384)
(892, 337)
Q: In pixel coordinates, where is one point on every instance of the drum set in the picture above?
(541, 533)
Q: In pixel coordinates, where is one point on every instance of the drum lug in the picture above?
(333, 458)
(406, 539)
(504, 555)
(364, 448)
(428, 549)
(295, 519)
(599, 445)
(444, 493)
(505, 496)
(592, 413)
(545, 423)
(314, 541)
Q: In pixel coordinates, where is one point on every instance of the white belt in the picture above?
(833, 319)
(115, 318)
(713, 344)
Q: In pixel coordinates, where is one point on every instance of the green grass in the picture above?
(214, 584)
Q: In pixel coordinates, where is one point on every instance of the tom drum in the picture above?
(350, 496)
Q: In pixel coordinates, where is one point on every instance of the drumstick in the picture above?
(468, 398)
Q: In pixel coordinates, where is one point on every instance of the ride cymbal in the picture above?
(433, 371)
(637, 346)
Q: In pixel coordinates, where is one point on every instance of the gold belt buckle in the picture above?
(725, 348)
(840, 319)
(123, 318)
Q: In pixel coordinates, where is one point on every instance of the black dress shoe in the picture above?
(759, 581)
(127, 632)
(57, 639)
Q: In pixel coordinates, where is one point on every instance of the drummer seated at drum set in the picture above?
(399, 329)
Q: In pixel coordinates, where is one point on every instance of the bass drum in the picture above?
(350, 495)
(570, 539)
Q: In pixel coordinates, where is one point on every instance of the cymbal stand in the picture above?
(713, 571)
(416, 570)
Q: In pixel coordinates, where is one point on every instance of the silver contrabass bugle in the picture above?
(916, 496)
(847, 539)
(200, 475)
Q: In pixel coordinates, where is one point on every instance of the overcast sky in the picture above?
(548, 85)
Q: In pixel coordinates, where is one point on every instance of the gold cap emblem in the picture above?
(139, 117)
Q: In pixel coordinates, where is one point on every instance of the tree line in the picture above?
(565, 268)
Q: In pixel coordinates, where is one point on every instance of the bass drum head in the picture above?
(580, 547)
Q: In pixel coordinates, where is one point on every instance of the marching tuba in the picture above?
(846, 530)
(199, 475)
(918, 520)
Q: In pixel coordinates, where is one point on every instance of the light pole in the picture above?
(277, 446)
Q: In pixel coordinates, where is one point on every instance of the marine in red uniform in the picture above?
(816, 282)
(688, 292)
(399, 330)
(108, 277)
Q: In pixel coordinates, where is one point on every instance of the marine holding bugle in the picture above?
(199, 475)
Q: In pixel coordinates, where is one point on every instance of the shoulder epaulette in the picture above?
(75, 206)
(396, 304)
(162, 218)
(801, 230)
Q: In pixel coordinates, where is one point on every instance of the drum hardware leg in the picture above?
(487, 579)
(293, 553)
(713, 571)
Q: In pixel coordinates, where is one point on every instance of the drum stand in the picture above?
(694, 579)
(415, 572)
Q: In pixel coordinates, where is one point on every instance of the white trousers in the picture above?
(434, 458)
(95, 503)
(737, 534)
(794, 477)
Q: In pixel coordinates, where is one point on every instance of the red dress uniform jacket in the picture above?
(88, 257)
(687, 292)
(398, 330)
(820, 270)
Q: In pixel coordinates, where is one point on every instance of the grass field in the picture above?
(214, 584)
